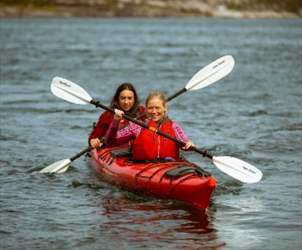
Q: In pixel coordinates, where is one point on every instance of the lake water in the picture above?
(253, 114)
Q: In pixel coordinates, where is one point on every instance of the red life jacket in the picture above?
(150, 146)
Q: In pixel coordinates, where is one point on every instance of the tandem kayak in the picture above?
(177, 180)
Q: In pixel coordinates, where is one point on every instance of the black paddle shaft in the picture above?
(80, 154)
(176, 94)
(142, 124)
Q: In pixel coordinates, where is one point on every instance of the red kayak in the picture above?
(177, 180)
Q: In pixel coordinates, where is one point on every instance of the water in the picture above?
(254, 114)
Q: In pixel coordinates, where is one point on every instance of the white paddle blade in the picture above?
(211, 73)
(238, 169)
(69, 91)
(57, 167)
(63, 170)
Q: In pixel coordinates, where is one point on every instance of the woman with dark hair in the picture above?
(125, 99)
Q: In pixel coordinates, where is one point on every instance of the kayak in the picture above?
(176, 180)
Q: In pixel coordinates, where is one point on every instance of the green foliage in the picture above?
(26, 2)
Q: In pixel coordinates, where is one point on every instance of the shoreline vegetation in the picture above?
(152, 8)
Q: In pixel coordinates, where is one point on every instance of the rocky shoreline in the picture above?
(141, 8)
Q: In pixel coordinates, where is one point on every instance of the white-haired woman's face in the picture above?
(156, 110)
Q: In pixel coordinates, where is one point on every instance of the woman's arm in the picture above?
(181, 135)
(100, 129)
(115, 136)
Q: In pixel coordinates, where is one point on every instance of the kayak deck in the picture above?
(177, 180)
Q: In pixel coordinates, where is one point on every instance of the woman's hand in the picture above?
(96, 143)
(188, 145)
(118, 114)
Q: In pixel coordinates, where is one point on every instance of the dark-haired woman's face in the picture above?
(126, 100)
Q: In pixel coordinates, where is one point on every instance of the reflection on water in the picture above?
(156, 221)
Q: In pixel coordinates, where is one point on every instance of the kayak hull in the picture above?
(176, 180)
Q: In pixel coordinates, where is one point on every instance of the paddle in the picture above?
(234, 167)
(209, 74)
(62, 165)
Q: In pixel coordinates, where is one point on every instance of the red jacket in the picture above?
(102, 125)
(105, 120)
(150, 146)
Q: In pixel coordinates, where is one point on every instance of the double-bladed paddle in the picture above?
(234, 167)
(62, 165)
(209, 74)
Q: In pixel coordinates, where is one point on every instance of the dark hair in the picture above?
(115, 98)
